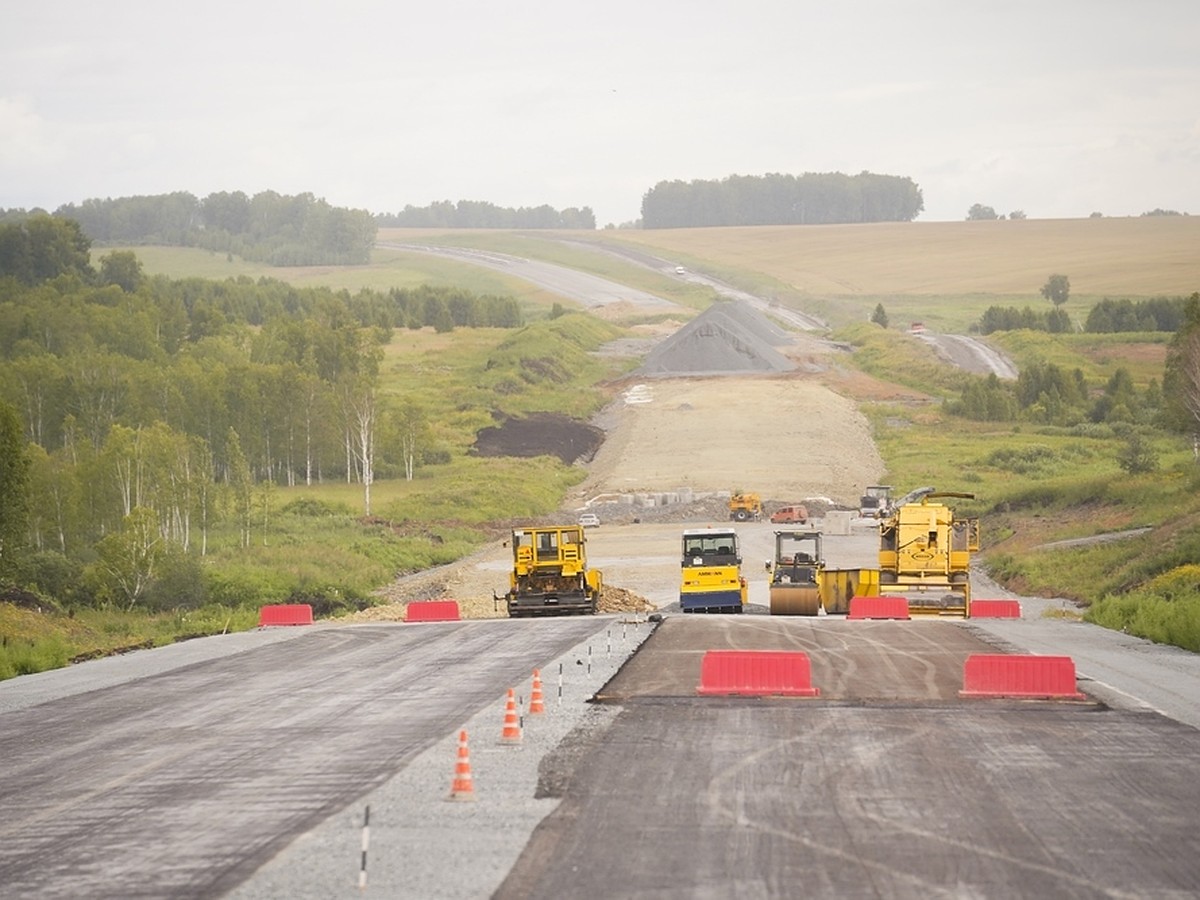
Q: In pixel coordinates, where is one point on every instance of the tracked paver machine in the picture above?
(550, 574)
(925, 554)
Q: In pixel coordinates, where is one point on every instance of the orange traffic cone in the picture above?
(462, 788)
(536, 704)
(512, 727)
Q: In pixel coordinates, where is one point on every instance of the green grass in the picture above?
(1098, 356)
(35, 640)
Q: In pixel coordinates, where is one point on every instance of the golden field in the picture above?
(1126, 257)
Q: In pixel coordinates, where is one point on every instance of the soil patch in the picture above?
(540, 434)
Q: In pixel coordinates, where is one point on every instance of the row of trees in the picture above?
(481, 214)
(1106, 317)
(777, 199)
(41, 247)
(268, 227)
(981, 213)
(1010, 318)
(1047, 394)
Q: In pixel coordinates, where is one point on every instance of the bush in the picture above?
(329, 602)
(313, 508)
(1137, 456)
(179, 584)
(53, 575)
(1153, 617)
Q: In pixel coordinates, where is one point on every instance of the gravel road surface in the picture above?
(971, 354)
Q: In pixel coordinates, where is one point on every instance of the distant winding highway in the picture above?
(967, 353)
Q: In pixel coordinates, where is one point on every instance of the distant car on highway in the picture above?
(589, 520)
(680, 270)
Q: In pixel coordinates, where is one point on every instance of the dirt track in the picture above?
(786, 437)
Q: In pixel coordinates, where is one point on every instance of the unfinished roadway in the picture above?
(247, 769)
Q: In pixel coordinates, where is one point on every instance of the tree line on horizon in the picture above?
(481, 214)
(271, 228)
(829, 198)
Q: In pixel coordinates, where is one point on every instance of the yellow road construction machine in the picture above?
(550, 575)
(925, 553)
(711, 580)
(801, 585)
(796, 574)
(743, 506)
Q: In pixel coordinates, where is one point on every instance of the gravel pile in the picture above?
(729, 337)
(425, 845)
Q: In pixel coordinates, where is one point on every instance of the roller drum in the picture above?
(795, 600)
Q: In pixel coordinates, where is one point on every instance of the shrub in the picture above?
(313, 508)
(178, 584)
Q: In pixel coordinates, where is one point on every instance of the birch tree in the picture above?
(362, 406)
(411, 425)
(242, 484)
(127, 558)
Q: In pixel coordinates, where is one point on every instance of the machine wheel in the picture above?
(741, 515)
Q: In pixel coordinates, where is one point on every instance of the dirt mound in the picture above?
(730, 337)
(540, 434)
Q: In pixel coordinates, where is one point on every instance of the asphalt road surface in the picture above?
(232, 769)
(183, 783)
(887, 785)
(590, 290)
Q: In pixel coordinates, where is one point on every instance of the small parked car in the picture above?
(795, 514)
(589, 520)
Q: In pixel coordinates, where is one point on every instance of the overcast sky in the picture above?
(1055, 107)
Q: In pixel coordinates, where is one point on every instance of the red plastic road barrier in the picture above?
(285, 614)
(432, 611)
(756, 673)
(878, 608)
(995, 609)
(1003, 675)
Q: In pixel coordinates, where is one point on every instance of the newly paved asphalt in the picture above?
(887, 785)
